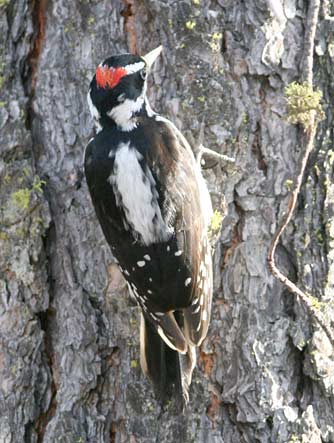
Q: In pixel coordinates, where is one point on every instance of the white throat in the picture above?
(124, 114)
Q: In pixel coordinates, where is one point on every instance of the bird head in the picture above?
(117, 91)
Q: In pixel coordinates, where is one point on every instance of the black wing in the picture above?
(193, 215)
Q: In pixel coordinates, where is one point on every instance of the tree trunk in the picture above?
(69, 352)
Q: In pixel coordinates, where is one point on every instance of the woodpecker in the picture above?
(154, 209)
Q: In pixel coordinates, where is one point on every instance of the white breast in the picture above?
(135, 191)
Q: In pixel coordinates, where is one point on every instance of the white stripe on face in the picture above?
(134, 67)
(92, 109)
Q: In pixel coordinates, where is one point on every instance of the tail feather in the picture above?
(169, 371)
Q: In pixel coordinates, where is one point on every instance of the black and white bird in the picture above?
(154, 209)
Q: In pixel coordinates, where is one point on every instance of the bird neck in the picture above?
(125, 115)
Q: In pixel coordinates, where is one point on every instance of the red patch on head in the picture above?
(109, 77)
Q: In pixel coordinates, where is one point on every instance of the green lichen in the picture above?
(21, 232)
(26, 171)
(302, 100)
(91, 21)
(217, 36)
(190, 24)
(21, 198)
(288, 184)
(134, 364)
(37, 184)
(214, 46)
(4, 3)
(315, 303)
(7, 179)
(215, 41)
(319, 236)
(215, 224)
(4, 236)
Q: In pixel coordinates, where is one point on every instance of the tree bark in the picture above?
(69, 348)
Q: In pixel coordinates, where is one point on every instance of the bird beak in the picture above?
(152, 56)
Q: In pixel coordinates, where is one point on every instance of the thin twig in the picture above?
(308, 143)
(209, 153)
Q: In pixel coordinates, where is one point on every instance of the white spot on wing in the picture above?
(177, 253)
(187, 281)
(141, 263)
(147, 257)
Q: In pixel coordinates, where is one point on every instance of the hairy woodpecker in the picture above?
(154, 209)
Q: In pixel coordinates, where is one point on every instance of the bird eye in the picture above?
(121, 98)
(143, 73)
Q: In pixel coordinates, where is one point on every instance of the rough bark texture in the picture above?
(69, 369)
